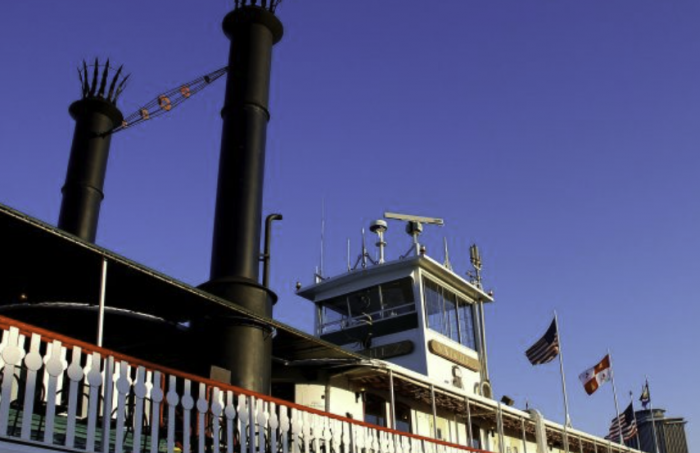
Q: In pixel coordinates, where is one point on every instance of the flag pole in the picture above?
(567, 419)
(634, 414)
(651, 413)
(617, 407)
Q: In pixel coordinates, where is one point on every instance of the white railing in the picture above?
(57, 392)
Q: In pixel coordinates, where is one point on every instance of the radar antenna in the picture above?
(414, 227)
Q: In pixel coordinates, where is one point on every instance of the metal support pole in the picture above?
(567, 419)
(653, 418)
(617, 407)
(101, 310)
(499, 425)
(470, 433)
(484, 355)
(639, 444)
(393, 400)
(522, 424)
(432, 400)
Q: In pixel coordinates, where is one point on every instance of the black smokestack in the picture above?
(244, 346)
(95, 115)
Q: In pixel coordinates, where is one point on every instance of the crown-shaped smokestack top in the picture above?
(97, 87)
(269, 5)
(95, 115)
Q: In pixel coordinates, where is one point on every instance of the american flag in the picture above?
(625, 424)
(547, 348)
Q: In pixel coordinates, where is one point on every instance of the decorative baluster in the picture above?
(172, 398)
(251, 424)
(187, 403)
(391, 443)
(12, 355)
(156, 399)
(296, 429)
(334, 426)
(361, 438)
(202, 409)
(33, 363)
(54, 368)
(230, 413)
(284, 428)
(313, 432)
(216, 411)
(140, 391)
(306, 429)
(243, 416)
(75, 376)
(345, 438)
(381, 440)
(123, 387)
(354, 436)
(325, 432)
(273, 423)
(405, 445)
(108, 390)
(93, 377)
(261, 420)
(376, 444)
(60, 379)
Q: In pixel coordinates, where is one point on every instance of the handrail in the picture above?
(138, 395)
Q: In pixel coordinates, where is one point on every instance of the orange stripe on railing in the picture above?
(49, 336)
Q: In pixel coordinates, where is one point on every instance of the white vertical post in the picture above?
(522, 424)
(392, 425)
(101, 313)
(567, 419)
(432, 400)
(470, 434)
(499, 425)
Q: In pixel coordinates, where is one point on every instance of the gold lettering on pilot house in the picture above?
(453, 355)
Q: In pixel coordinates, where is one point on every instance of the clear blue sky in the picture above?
(560, 135)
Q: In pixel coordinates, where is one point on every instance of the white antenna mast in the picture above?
(364, 256)
(447, 263)
(414, 227)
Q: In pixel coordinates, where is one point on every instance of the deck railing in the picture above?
(60, 393)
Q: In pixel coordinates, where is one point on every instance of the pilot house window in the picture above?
(375, 303)
(448, 314)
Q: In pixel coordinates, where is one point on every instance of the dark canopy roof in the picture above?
(43, 265)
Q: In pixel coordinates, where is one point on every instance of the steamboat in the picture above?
(397, 362)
